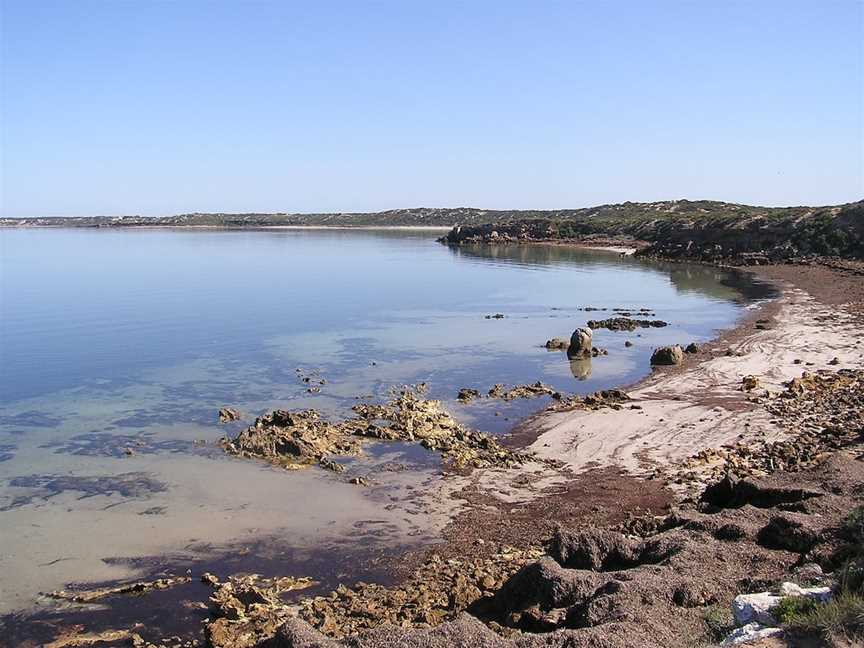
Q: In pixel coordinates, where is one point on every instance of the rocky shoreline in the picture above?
(738, 491)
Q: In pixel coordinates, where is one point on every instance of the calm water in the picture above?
(116, 339)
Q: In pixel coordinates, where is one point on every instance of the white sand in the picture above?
(699, 407)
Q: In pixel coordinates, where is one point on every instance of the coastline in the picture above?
(621, 487)
(607, 478)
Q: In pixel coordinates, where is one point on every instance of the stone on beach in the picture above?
(667, 355)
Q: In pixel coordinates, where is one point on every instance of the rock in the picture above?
(808, 573)
(302, 438)
(467, 395)
(628, 343)
(557, 343)
(227, 414)
(749, 633)
(328, 464)
(521, 391)
(209, 579)
(667, 355)
(138, 587)
(818, 594)
(625, 324)
(749, 383)
(598, 352)
(747, 608)
(692, 348)
(580, 343)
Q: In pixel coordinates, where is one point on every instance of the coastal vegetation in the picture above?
(673, 228)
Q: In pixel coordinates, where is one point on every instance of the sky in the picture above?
(155, 108)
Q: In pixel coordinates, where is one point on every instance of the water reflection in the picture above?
(580, 368)
(706, 280)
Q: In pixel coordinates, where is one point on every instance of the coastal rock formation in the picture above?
(139, 587)
(821, 412)
(522, 391)
(249, 609)
(625, 324)
(297, 439)
(557, 343)
(667, 355)
(685, 229)
(466, 395)
(227, 414)
(580, 343)
(439, 591)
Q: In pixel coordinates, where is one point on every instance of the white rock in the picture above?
(750, 632)
(747, 608)
(820, 594)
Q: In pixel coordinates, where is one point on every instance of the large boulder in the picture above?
(581, 343)
(667, 355)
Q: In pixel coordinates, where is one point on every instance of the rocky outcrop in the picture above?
(522, 391)
(580, 343)
(625, 324)
(694, 230)
(297, 439)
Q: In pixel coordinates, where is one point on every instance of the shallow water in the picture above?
(118, 339)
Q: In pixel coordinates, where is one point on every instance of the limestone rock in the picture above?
(749, 633)
(581, 343)
(667, 355)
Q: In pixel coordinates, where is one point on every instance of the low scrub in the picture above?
(719, 621)
(844, 614)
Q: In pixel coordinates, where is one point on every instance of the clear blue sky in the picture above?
(120, 107)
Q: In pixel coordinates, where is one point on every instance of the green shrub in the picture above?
(850, 576)
(792, 609)
(843, 614)
(719, 620)
(853, 526)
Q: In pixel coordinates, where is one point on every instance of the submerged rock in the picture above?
(227, 414)
(521, 391)
(625, 324)
(667, 355)
(139, 587)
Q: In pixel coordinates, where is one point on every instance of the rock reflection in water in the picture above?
(580, 368)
